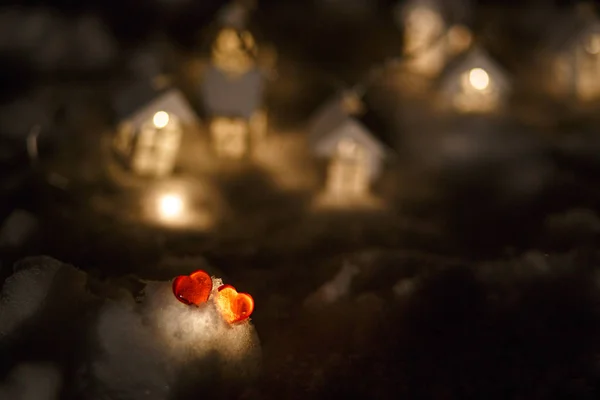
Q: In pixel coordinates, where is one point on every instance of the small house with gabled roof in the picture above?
(339, 134)
(152, 117)
(474, 83)
(434, 32)
(424, 28)
(573, 57)
(234, 107)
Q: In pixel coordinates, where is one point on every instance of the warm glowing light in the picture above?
(479, 78)
(170, 206)
(234, 51)
(193, 289)
(593, 44)
(424, 43)
(347, 174)
(160, 119)
(259, 124)
(234, 306)
(230, 137)
(352, 103)
(348, 148)
(459, 38)
(587, 84)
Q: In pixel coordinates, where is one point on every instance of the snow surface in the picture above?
(149, 348)
(122, 343)
(32, 382)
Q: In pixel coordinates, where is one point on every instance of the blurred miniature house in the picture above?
(152, 119)
(354, 156)
(429, 38)
(474, 84)
(574, 57)
(232, 92)
(234, 51)
(233, 105)
(424, 30)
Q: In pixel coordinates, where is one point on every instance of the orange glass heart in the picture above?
(193, 289)
(234, 306)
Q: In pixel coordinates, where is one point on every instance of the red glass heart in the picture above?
(193, 289)
(234, 306)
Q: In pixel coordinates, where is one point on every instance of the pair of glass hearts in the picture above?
(195, 289)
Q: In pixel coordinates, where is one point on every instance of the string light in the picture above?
(479, 78)
(160, 119)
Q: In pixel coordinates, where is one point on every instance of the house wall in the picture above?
(156, 150)
(467, 99)
(587, 74)
(560, 79)
(352, 130)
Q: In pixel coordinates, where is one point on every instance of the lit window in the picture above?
(160, 119)
(229, 137)
(479, 79)
(170, 206)
(477, 92)
(157, 145)
(347, 174)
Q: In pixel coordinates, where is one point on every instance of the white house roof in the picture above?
(139, 102)
(349, 129)
(332, 122)
(232, 96)
(476, 58)
(327, 118)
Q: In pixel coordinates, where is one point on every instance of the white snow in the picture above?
(147, 346)
(32, 382)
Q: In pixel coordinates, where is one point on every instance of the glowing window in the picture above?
(347, 172)
(157, 145)
(170, 206)
(479, 79)
(160, 119)
(229, 137)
